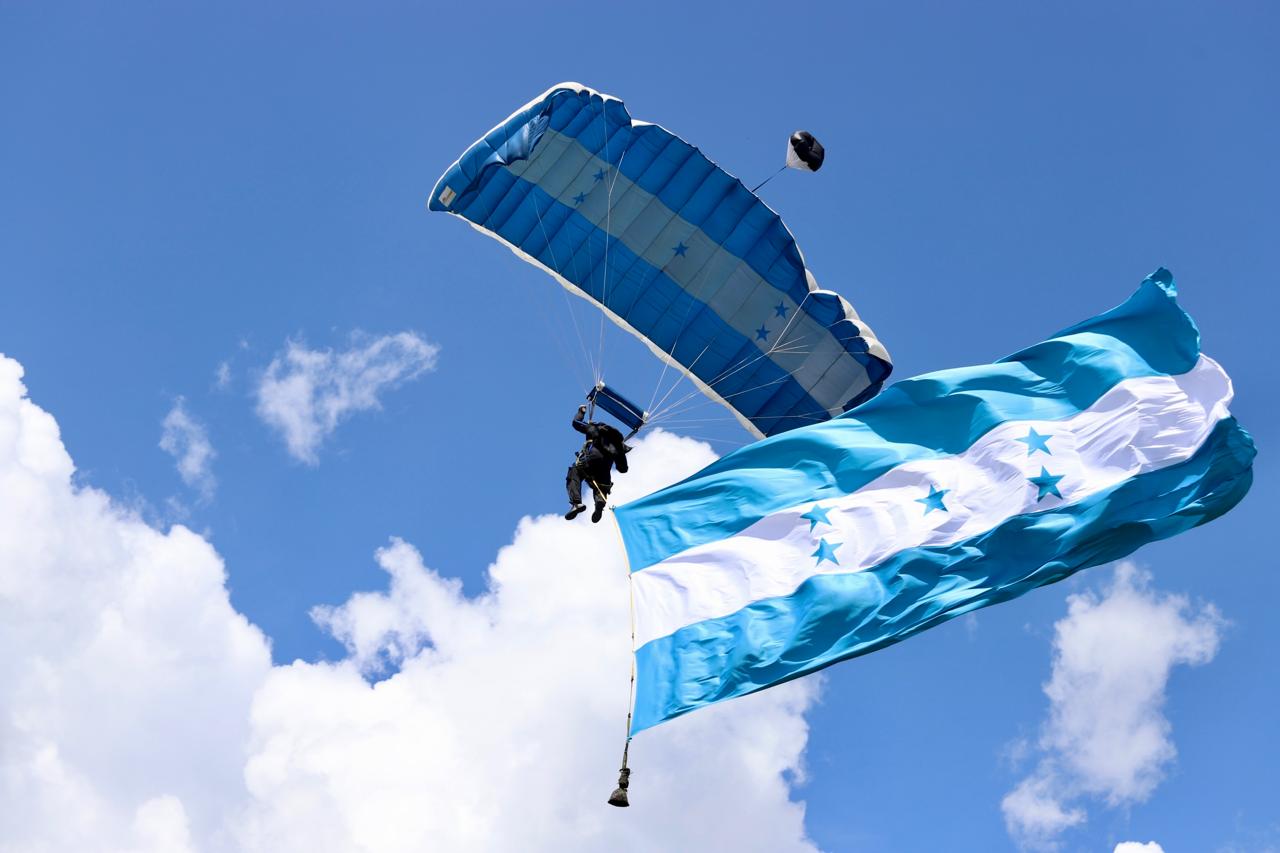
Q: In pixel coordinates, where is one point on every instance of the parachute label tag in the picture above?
(447, 195)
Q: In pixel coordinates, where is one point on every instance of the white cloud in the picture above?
(186, 440)
(140, 712)
(222, 376)
(1106, 735)
(1034, 811)
(1138, 847)
(509, 723)
(124, 670)
(304, 393)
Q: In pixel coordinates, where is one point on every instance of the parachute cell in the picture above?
(673, 249)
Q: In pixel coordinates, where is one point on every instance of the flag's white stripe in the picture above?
(1140, 425)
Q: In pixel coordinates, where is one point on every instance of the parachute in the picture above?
(672, 249)
(804, 152)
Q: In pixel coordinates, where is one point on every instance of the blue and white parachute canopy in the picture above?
(673, 249)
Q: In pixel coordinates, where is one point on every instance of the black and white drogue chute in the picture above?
(804, 153)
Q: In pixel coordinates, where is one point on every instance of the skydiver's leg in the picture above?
(573, 483)
(600, 488)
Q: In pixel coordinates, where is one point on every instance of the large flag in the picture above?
(948, 492)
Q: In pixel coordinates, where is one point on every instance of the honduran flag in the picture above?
(948, 492)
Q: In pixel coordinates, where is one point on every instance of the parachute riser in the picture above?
(627, 413)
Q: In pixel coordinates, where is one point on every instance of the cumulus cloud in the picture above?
(187, 441)
(1138, 847)
(304, 393)
(124, 671)
(507, 717)
(1033, 810)
(140, 712)
(1106, 735)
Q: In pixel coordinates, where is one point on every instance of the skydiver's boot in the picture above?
(574, 512)
(599, 511)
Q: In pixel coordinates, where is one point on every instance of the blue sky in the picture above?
(187, 186)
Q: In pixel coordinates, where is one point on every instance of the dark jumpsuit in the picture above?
(595, 462)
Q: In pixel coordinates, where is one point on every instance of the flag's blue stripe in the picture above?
(834, 617)
(645, 297)
(921, 418)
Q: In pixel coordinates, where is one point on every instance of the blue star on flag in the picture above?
(680, 249)
(599, 175)
(1046, 483)
(815, 515)
(826, 551)
(1035, 441)
(762, 334)
(781, 310)
(579, 198)
(933, 500)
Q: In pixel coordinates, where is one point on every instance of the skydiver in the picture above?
(603, 449)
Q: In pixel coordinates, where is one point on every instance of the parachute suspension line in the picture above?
(574, 366)
(776, 347)
(672, 416)
(770, 178)
(684, 374)
(608, 216)
(796, 313)
(732, 442)
(684, 323)
(586, 353)
(727, 372)
(596, 369)
(577, 368)
(816, 415)
(674, 409)
(608, 232)
(732, 369)
(666, 365)
(678, 417)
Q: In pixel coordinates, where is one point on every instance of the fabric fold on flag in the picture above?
(948, 492)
